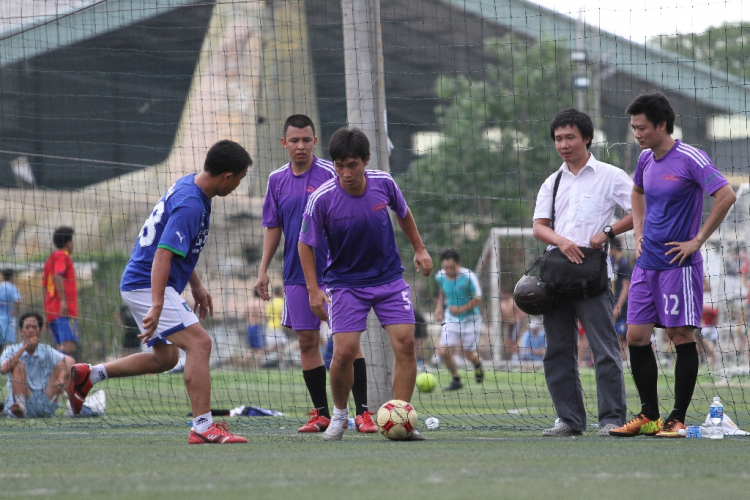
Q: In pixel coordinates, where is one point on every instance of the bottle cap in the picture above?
(716, 399)
(682, 432)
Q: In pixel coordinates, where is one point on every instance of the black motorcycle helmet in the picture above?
(533, 296)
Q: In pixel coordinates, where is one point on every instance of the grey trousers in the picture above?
(561, 360)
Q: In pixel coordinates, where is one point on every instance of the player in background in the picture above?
(350, 212)
(666, 288)
(61, 293)
(457, 308)
(161, 265)
(287, 193)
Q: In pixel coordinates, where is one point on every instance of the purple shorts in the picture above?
(668, 297)
(297, 314)
(350, 306)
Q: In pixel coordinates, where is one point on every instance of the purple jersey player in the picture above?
(160, 267)
(666, 288)
(287, 193)
(364, 270)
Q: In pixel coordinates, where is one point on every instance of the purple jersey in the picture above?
(674, 186)
(361, 242)
(286, 197)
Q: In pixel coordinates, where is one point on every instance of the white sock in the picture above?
(340, 416)
(201, 423)
(98, 373)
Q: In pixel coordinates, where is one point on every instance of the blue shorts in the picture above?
(64, 329)
(37, 405)
(621, 326)
(255, 337)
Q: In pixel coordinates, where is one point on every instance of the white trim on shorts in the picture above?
(175, 316)
(464, 334)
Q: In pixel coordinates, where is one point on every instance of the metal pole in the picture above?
(365, 106)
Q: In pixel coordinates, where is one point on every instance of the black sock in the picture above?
(685, 375)
(359, 388)
(478, 365)
(645, 375)
(315, 380)
(456, 378)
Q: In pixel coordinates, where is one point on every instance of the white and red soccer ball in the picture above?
(397, 419)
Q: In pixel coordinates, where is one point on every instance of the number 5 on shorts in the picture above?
(405, 295)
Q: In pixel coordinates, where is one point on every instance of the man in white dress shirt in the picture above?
(585, 202)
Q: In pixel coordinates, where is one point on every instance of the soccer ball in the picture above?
(426, 382)
(397, 419)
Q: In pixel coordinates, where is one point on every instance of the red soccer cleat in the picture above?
(218, 433)
(364, 423)
(317, 422)
(79, 386)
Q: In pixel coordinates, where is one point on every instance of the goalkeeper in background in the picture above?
(457, 308)
(161, 265)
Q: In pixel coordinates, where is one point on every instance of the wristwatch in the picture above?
(609, 232)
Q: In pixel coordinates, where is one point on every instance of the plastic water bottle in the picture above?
(717, 415)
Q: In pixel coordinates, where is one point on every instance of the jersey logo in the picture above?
(670, 177)
(380, 206)
(187, 307)
(709, 179)
(179, 236)
(311, 189)
(304, 226)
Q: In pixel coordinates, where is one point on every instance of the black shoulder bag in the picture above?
(570, 280)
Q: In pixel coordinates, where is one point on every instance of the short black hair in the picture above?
(8, 274)
(62, 236)
(31, 314)
(450, 255)
(616, 243)
(226, 157)
(656, 107)
(298, 121)
(573, 117)
(349, 143)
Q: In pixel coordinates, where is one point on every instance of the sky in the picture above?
(640, 20)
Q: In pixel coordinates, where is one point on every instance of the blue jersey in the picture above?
(286, 197)
(178, 223)
(459, 292)
(673, 186)
(361, 241)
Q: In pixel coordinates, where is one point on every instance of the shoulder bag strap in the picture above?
(554, 195)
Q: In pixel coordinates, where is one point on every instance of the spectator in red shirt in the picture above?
(60, 292)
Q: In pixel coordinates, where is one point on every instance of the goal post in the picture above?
(496, 279)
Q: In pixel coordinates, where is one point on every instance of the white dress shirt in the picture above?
(585, 203)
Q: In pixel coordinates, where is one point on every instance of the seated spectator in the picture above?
(38, 373)
(533, 344)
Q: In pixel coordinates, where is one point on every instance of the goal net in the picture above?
(104, 104)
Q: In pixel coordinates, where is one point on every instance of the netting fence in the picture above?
(104, 104)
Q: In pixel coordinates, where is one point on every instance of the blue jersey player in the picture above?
(160, 267)
(289, 188)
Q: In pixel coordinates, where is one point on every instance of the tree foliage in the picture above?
(726, 47)
(496, 150)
